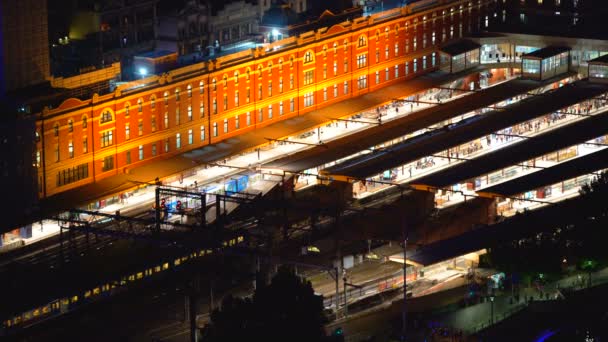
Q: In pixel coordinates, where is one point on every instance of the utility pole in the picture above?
(345, 295)
(337, 270)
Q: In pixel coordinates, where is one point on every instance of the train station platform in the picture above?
(413, 149)
(554, 140)
(552, 175)
(175, 165)
(349, 145)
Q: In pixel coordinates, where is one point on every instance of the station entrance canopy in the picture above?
(545, 63)
(459, 56)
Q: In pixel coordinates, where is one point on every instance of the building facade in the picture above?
(82, 141)
(25, 44)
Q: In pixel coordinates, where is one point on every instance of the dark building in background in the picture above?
(96, 33)
(25, 47)
(573, 18)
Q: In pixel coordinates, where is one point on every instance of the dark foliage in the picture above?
(286, 310)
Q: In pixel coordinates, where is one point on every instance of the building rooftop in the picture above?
(547, 52)
(600, 60)
(156, 54)
(460, 47)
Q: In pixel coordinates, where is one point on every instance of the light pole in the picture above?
(492, 309)
(404, 308)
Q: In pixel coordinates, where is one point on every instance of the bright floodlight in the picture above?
(143, 71)
(275, 32)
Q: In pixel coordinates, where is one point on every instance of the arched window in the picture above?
(214, 84)
(269, 68)
(324, 50)
(259, 71)
(70, 125)
(166, 96)
(140, 105)
(56, 129)
(345, 45)
(291, 61)
(37, 136)
(177, 94)
(127, 109)
(201, 87)
(308, 57)
(189, 90)
(225, 79)
(248, 74)
(84, 121)
(106, 117)
(335, 48)
(236, 77)
(362, 41)
(280, 65)
(152, 102)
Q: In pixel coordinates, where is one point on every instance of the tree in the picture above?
(287, 309)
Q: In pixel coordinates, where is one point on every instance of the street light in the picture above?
(492, 309)
(143, 72)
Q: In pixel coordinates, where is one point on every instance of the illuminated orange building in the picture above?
(83, 141)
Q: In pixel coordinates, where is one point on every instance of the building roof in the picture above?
(600, 60)
(156, 54)
(567, 170)
(546, 52)
(460, 47)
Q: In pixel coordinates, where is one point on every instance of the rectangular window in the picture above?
(73, 174)
(415, 65)
(141, 152)
(309, 77)
(225, 102)
(85, 145)
(190, 137)
(214, 106)
(396, 49)
(127, 131)
(225, 125)
(261, 115)
(166, 145)
(396, 71)
(309, 99)
(236, 98)
(71, 149)
(291, 81)
(108, 163)
(361, 61)
(281, 85)
(166, 120)
(281, 108)
(177, 116)
(324, 71)
(237, 122)
(153, 123)
(56, 153)
(407, 68)
(345, 87)
(215, 129)
(335, 90)
(248, 118)
(377, 77)
(178, 140)
(140, 128)
(128, 157)
(386, 75)
(335, 68)
(386, 52)
(189, 113)
(324, 94)
(202, 133)
(362, 82)
(270, 112)
(106, 138)
(377, 55)
(345, 66)
(201, 110)
(248, 95)
(260, 92)
(291, 105)
(154, 150)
